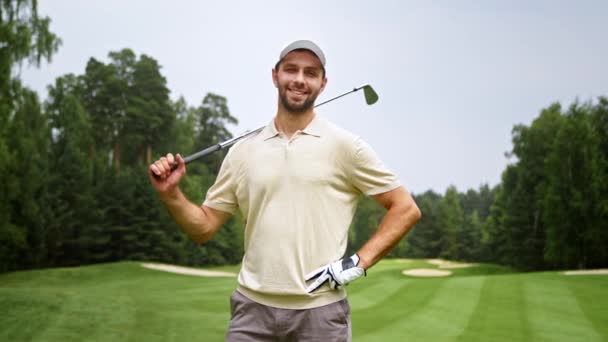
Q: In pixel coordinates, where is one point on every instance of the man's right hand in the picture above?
(163, 178)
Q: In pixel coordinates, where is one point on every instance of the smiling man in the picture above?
(296, 184)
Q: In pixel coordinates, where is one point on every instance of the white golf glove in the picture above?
(337, 273)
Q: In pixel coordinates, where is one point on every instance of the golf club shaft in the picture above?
(339, 96)
(230, 142)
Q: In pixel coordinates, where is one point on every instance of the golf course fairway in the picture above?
(125, 301)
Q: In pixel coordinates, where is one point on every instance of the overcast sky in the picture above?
(453, 77)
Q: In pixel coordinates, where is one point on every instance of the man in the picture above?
(296, 184)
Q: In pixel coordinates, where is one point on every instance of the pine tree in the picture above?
(425, 239)
(70, 238)
(28, 140)
(451, 221)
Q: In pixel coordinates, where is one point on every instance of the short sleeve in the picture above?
(222, 194)
(369, 175)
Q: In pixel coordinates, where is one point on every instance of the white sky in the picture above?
(453, 76)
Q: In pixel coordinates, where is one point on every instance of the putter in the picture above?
(371, 97)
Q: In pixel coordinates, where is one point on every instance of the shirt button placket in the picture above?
(285, 145)
(289, 142)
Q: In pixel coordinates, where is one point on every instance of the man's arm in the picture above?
(402, 213)
(198, 222)
(401, 216)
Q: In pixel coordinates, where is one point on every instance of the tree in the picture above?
(23, 36)
(451, 221)
(70, 235)
(184, 128)
(149, 118)
(478, 200)
(522, 230)
(471, 237)
(476, 209)
(424, 241)
(213, 116)
(576, 177)
(105, 103)
(599, 120)
(365, 222)
(28, 140)
(128, 102)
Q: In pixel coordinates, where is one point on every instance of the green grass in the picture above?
(124, 301)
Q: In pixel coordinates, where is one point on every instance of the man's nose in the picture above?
(299, 77)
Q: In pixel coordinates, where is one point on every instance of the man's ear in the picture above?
(275, 79)
(323, 84)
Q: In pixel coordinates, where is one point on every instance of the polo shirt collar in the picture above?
(314, 128)
(270, 131)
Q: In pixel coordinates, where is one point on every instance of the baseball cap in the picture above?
(306, 45)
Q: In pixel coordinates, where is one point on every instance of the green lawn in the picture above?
(123, 301)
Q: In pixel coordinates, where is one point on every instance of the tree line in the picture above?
(75, 171)
(74, 187)
(550, 210)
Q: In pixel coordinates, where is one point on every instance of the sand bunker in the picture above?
(449, 264)
(585, 272)
(187, 270)
(426, 272)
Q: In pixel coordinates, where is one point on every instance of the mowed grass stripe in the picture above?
(174, 307)
(27, 313)
(374, 320)
(590, 293)
(500, 314)
(193, 311)
(58, 315)
(553, 311)
(427, 310)
(96, 318)
(126, 303)
(446, 315)
(367, 296)
(384, 280)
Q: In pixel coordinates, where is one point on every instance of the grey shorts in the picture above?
(251, 321)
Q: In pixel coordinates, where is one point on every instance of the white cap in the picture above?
(306, 45)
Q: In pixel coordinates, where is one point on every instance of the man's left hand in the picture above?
(337, 273)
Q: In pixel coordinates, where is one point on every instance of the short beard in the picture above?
(297, 109)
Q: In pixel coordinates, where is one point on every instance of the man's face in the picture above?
(299, 79)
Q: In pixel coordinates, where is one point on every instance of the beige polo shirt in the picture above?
(298, 197)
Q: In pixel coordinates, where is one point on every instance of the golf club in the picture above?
(371, 97)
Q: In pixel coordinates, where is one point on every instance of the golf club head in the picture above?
(370, 94)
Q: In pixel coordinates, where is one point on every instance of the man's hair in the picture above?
(276, 66)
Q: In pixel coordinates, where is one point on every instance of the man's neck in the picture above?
(289, 123)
